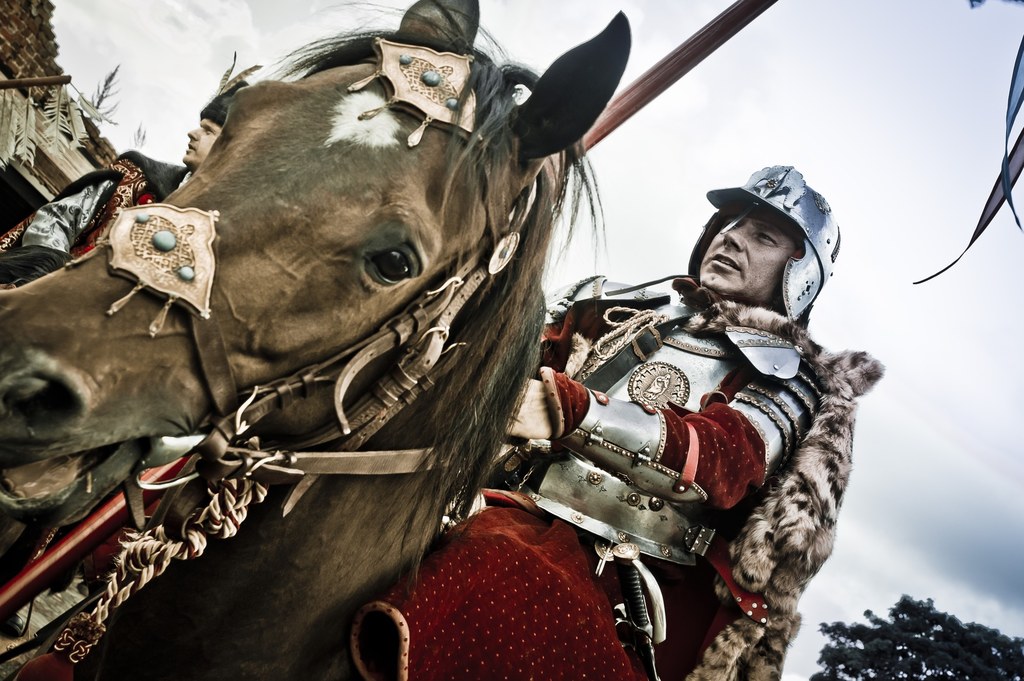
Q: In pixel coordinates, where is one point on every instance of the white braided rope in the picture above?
(145, 556)
(622, 333)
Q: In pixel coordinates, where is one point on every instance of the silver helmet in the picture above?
(781, 191)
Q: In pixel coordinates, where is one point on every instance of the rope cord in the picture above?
(145, 556)
(622, 333)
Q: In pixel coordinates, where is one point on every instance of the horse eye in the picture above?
(390, 267)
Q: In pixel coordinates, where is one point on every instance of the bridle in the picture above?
(418, 336)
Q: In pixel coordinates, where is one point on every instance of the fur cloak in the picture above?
(790, 534)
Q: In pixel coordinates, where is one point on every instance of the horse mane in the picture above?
(465, 416)
(27, 263)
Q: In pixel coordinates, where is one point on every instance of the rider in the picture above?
(70, 225)
(695, 409)
(691, 445)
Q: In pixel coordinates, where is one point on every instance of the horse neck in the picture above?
(348, 539)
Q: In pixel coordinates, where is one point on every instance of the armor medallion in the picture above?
(658, 383)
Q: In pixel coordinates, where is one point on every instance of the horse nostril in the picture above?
(41, 400)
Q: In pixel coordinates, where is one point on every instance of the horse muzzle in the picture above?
(40, 403)
(62, 489)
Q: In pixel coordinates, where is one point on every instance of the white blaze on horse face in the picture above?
(380, 130)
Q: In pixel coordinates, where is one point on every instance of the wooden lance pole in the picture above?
(674, 66)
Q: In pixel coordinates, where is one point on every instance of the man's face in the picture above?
(199, 142)
(746, 262)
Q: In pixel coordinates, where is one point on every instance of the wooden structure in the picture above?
(28, 51)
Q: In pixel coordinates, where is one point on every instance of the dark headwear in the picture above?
(217, 109)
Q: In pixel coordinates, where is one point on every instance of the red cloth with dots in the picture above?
(508, 596)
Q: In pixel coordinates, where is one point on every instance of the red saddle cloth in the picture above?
(508, 596)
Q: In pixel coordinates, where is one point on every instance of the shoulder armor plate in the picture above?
(766, 352)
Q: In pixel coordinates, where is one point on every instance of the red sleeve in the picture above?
(730, 452)
(584, 318)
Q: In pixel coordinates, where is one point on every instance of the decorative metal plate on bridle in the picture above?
(168, 250)
(658, 383)
(425, 83)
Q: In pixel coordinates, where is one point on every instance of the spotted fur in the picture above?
(790, 534)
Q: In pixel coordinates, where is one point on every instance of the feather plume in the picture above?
(227, 74)
(7, 105)
(24, 136)
(240, 77)
(227, 81)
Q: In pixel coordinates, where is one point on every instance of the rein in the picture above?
(420, 331)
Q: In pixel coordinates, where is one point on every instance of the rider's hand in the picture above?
(533, 421)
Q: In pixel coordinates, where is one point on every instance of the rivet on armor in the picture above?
(186, 273)
(404, 59)
(598, 430)
(594, 478)
(764, 620)
(431, 78)
(164, 240)
(601, 398)
(665, 551)
(656, 504)
(622, 536)
(646, 450)
(142, 217)
(452, 103)
(576, 517)
(626, 551)
(633, 499)
(749, 613)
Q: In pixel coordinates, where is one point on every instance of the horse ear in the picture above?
(451, 23)
(573, 92)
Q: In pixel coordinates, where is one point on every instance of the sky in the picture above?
(894, 111)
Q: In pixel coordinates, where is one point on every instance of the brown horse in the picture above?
(337, 209)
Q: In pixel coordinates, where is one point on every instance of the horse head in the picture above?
(386, 166)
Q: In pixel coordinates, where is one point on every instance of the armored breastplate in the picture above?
(675, 366)
(613, 484)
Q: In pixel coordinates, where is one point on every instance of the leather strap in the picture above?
(632, 355)
(630, 289)
(214, 365)
(689, 473)
(290, 467)
(752, 604)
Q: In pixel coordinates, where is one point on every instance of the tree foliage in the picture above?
(975, 3)
(105, 92)
(918, 642)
